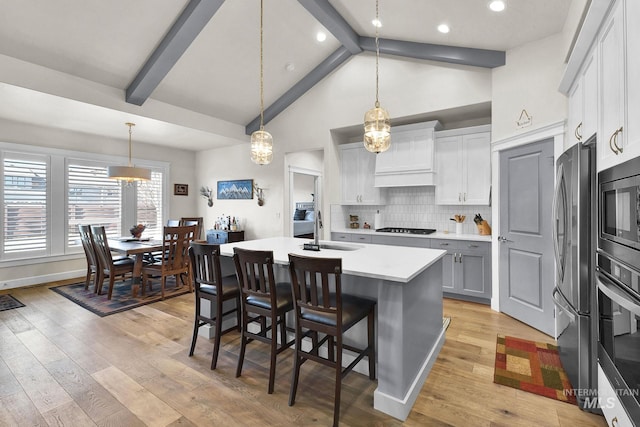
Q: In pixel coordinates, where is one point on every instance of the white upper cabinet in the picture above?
(463, 166)
(619, 66)
(357, 172)
(409, 160)
(582, 122)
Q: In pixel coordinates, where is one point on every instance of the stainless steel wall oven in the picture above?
(618, 281)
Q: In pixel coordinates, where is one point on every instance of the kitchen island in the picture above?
(407, 285)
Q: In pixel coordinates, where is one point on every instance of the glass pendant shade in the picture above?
(377, 130)
(261, 147)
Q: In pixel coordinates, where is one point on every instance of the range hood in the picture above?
(409, 162)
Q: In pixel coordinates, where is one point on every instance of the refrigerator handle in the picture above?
(554, 230)
(561, 305)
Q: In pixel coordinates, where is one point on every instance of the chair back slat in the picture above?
(101, 244)
(197, 221)
(314, 282)
(175, 246)
(86, 237)
(205, 261)
(255, 273)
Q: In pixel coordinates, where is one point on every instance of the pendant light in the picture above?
(377, 126)
(261, 140)
(130, 173)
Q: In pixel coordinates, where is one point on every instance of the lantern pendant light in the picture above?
(377, 125)
(129, 174)
(261, 140)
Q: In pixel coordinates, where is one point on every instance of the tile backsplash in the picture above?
(411, 207)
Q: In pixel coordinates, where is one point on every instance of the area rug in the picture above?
(532, 366)
(7, 302)
(121, 300)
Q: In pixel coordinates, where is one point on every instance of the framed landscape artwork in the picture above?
(238, 189)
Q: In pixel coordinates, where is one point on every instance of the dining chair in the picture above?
(175, 260)
(211, 286)
(93, 268)
(108, 266)
(197, 221)
(262, 300)
(173, 223)
(320, 307)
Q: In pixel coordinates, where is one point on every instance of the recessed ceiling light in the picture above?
(289, 66)
(497, 5)
(443, 28)
(320, 36)
(377, 23)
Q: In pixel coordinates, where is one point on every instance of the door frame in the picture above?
(555, 131)
(293, 170)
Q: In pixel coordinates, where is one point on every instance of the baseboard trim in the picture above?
(39, 280)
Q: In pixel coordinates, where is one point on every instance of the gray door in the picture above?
(526, 245)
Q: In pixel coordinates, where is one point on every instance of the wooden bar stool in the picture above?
(211, 286)
(320, 307)
(262, 300)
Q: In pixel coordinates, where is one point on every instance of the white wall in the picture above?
(182, 171)
(529, 81)
(407, 88)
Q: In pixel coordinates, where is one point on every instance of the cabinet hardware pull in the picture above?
(464, 197)
(459, 197)
(444, 244)
(473, 246)
(611, 143)
(460, 258)
(615, 140)
(577, 133)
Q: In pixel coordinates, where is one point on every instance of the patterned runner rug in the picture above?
(532, 366)
(7, 302)
(121, 299)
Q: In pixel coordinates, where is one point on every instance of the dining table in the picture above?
(137, 248)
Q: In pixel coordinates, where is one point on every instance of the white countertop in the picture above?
(436, 235)
(394, 263)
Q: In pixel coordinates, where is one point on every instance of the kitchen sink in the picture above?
(340, 247)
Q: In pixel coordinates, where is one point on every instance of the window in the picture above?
(149, 209)
(24, 229)
(46, 193)
(93, 199)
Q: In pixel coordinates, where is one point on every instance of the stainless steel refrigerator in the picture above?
(574, 234)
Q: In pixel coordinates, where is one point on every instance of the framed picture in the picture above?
(238, 189)
(180, 189)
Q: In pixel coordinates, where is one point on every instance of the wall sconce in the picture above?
(259, 192)
(207, 194)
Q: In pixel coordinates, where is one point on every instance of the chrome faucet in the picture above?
(317, 227)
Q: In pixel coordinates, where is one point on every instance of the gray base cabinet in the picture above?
(466, 265)
(467, 268)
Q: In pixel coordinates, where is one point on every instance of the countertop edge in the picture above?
(436, 235)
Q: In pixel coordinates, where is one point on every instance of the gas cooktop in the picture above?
(406, 230)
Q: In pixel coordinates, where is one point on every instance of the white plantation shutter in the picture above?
(149, 205)
(25, 228)
(92, 199)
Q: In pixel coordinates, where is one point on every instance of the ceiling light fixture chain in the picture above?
(261, 140)
(130, 131)
(377, 125)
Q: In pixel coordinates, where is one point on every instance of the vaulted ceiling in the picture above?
(203, 55)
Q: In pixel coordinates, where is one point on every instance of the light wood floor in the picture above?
(62, 365)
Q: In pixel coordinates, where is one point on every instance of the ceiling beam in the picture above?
(307, 82)
(435, 52)
(191, 21)
(334, 22)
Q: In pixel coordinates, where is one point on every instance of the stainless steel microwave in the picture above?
(619, 208)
